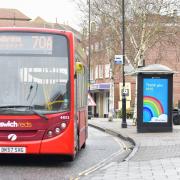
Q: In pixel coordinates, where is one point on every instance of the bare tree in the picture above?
(146, 24)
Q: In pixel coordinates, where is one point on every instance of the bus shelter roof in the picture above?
(152, 69)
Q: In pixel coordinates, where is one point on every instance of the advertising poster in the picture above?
(155, 100)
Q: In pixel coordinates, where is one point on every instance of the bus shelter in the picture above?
(154, 98)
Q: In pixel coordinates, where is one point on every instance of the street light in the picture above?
(124, 123)
(89, 41)
(89, 50)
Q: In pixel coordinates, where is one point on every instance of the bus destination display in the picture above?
(14, 44)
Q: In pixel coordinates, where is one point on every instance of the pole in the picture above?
(89, 35)
(124, 123)
(89, 52)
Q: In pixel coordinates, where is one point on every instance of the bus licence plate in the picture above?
(20, 150)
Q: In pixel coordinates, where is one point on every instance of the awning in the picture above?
(91, 101)
(100, 86)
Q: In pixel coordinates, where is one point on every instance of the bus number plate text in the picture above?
(16, 150)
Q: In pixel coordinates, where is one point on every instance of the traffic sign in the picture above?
(125, 92)
(118, 59)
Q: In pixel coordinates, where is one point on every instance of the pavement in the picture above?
(155, 156)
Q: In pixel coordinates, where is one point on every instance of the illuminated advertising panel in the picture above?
(155, 100)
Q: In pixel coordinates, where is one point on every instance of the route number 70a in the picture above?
(42, 42)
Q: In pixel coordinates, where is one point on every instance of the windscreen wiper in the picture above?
(13, 106)
(29, 108)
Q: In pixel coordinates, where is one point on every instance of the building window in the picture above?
(100, 71)
(92, 47)
(93, 27)
(101, 45)
(91, 74)
(96, 46)
(96, 72)
(85, 32)
(87, 51)
(107, 70)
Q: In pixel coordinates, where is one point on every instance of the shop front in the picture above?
(100, 95)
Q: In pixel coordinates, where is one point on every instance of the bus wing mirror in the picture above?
(79, 67)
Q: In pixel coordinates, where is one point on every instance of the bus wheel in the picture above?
(84, 146)
(77, 143)
(72, 157)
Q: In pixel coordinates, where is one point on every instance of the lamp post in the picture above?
(89, 41)
(124, 123)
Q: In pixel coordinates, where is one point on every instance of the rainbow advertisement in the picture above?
(155, 100)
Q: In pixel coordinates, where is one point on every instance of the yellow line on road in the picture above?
(104, 161)
(121, 143)
(100, 164)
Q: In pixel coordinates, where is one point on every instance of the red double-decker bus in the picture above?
(43, 93)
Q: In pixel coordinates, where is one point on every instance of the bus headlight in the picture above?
(57, 130)
(63, 125)
(50, 133)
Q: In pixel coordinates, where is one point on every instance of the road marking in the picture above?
(121, 143)
(98, 165)
(104, 161)
(94, 166)
(72, 178)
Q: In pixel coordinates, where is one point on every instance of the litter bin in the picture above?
(154, 97)
(176, 116)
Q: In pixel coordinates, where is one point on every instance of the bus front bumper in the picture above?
(48, 146)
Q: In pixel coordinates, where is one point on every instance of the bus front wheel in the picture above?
(84, 145)
(76, 149)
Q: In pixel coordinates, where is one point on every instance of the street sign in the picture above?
(118, 59)
(125, 92)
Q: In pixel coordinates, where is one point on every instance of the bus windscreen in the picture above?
(35, 68)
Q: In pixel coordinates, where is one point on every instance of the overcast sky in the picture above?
(64, 10)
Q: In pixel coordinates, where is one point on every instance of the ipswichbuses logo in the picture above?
(16, 124)
(12, 137)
